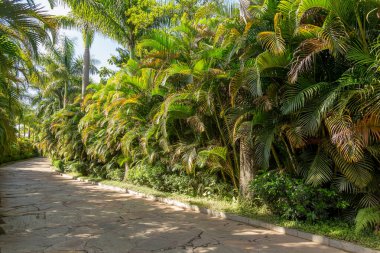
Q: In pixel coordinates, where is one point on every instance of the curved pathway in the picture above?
(44, 212)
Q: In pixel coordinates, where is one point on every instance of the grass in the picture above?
(335, 229)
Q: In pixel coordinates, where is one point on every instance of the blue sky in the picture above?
(102, 48)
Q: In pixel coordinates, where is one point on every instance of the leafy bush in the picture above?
(151, 176)
(76, 166)
(293, 199)
(161, 179)
(115, 174)
(59, 165)
(180, 183)
(21, 149)
(368, 218)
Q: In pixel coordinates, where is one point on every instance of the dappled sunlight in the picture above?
(61, 214)
(252, 232)
(267, 109)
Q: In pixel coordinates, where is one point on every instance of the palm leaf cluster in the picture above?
(23, 27)
(293, 86)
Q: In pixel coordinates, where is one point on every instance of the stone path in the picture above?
(44, 212)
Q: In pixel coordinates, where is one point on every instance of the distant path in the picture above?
(44, 212)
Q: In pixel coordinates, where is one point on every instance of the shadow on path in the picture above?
(44, 212)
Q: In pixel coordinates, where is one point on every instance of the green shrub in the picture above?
(368, 218)
(293, 199)
(151, 176)
(77, 167)
(59, 165)
(21, 149)
(179, 183)
(159, 178)
(116, 174)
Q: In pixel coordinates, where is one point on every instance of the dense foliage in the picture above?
(159, 178)
(293, 199)
(297, 84)
(208, 98)
(23, 28)
(20, 149)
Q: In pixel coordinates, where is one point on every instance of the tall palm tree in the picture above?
(62, 72)
(127, 21)
(109, 18)
(88, 33)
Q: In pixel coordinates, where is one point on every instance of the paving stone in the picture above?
(45, 212)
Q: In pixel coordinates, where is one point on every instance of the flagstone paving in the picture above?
(44, 212)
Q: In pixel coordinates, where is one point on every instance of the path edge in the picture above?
(320, 239)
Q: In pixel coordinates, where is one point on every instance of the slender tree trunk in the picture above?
(132, 52)
(290, 153)
(276, 158)
(86, 68)
(131, 45)
(126, 170)
(88, 38)
(29, 132)
(248, 170)
(65, 96)
(362, 31)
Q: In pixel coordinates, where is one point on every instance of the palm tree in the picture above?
(315, 112)
(88, 33)
(127, 21)
(189, 62)
(109, 18)
(25, 24)
(23, 28)
(294, 89)
(62, 72)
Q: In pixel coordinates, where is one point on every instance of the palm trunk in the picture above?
(132, 45)
(276, 158)
(88, 38)
(86, 68)
(290, 153)
(65, 96)
(19, 129)
(126, 171)
(248, 170)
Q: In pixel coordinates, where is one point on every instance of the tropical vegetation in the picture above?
(274, 102)
(23, 28)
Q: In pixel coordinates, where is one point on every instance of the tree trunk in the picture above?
(65, 96)
(244, 12)
(88, 37)
(247, 167)
(131, 45)
(126, 170)
(86, 68)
